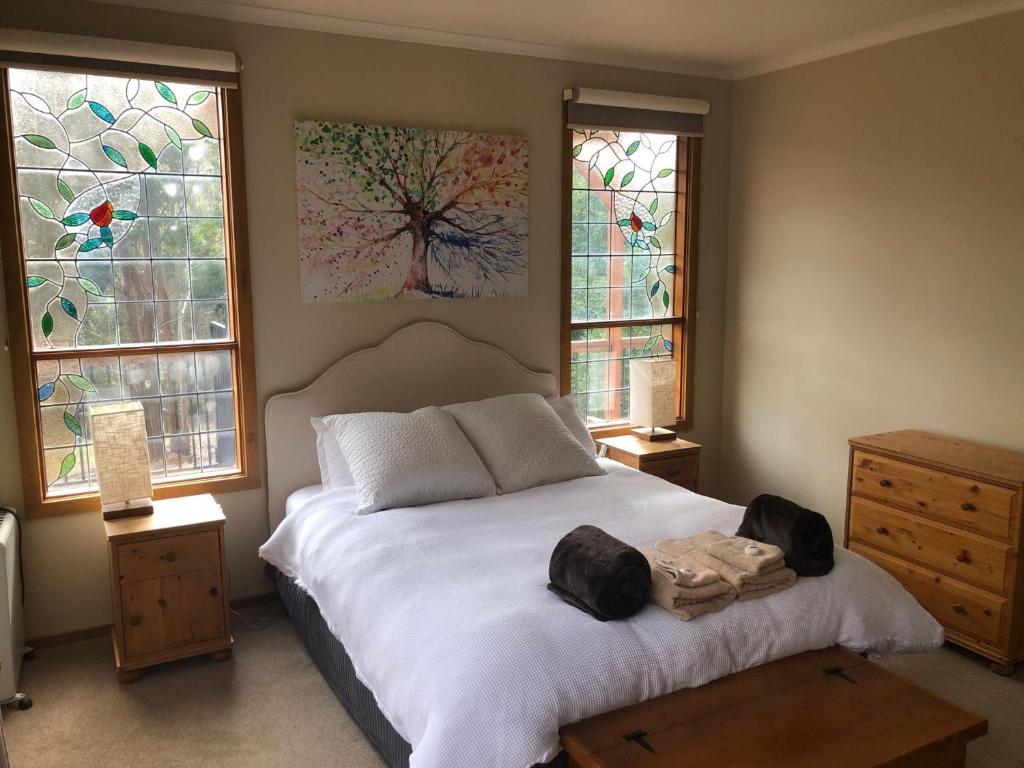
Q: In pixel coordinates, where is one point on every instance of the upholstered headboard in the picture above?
(421, 364)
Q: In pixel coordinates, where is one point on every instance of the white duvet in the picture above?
(446, 616)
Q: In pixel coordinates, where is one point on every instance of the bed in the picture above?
(433, 625)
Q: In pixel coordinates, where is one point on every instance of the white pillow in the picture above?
(334, 471)
(568, 411)
(523, 442)
(409, 459)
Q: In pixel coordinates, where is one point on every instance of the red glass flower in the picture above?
(102, 214)
(635, 223)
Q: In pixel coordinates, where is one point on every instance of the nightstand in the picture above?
(677, 461)
(169, 585)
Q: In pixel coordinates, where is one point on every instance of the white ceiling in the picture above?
(729, 38)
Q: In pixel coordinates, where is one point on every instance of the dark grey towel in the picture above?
(804, 536)
(599, 574)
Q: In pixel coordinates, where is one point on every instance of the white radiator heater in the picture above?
(12, 627)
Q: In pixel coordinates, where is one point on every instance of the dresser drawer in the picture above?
(168, 555)
(968, 557)
(953, 604)
(959, 501)
(681, 470)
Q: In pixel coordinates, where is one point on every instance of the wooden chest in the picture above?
(169, 582)
(944, 517)
(821, 708)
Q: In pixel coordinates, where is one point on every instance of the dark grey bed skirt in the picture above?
(332, 660)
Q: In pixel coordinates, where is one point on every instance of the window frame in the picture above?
(29, 427)
(689, 154)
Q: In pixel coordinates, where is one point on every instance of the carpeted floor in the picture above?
(269, 708)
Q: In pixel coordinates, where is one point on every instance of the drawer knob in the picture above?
(967, 507)
(135, 621)
(882, 530)
(885, 483)
(162, 603)
(964, 557)
(959, 609)
(170, 557)
(214, 591)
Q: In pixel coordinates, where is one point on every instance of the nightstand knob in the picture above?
(135, 621)
(967, 507)
(162, 603)
(214, 591)
(170, 557)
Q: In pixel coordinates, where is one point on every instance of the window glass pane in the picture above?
(120, 191)
(624, 206)
(187, 397)
(599, 366)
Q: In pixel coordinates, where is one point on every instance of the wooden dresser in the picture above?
(944, 517)
(169, 585)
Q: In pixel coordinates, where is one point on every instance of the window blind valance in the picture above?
(106, 56)
(624, 111)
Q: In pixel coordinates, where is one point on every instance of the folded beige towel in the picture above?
(749, 585)
(671, 598)
(746, 554)
(682, 571)
(661, 567)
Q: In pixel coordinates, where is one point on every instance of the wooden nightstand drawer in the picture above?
(681, 470)
(168, 555)
(677, 461)
(172, 611)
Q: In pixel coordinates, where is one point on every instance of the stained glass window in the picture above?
(628, 192)
(122, 216)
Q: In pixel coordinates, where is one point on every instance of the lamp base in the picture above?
(653, 434)
(134, 508)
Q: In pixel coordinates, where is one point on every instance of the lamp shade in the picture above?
(652, 392)
(122, 455)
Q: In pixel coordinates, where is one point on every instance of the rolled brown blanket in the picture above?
(599, 574)
(804, 536)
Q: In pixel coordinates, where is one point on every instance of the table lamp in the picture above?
(122, 459)
(652, 397)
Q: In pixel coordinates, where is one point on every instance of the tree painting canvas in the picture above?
(401, 213)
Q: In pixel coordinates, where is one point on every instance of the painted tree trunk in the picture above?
(417, 279)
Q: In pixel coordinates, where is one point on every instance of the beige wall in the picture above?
(297, 75)
(876, 267)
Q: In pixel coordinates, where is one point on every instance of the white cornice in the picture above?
(951, 17)
(219, 9)
(274, 17)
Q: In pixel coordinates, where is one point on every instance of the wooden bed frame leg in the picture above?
(1005, 670)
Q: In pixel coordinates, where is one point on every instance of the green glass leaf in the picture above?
(664, 172)
(623, 222)
(101, 112)
(35, 281)
(671, 268)
(576, 150)
(74, 219)
(107, 237)
(655, 241)
(649, 226)
(655, 287)
(642, 245)
(167, 93)
(72, 423)
(40, 141)
(665, 299)
(64, 241)
(197, 98)
(201, 128)
(653, 207)
(81, 382)
(47, 324)
(65, 190)
(643, 275)
(90, 245)
(632, 148)
(148, 155)
(89, 286)
(626, 179)
(41, 208)
(114, 155)
(77, 99)
(650, 343)
(173, 136)
(125, 215)
(69, 308)
(67, 465)
(608, 176)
